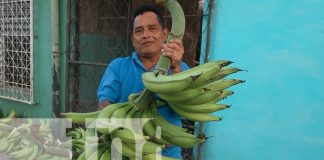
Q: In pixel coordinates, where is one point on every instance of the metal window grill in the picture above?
(16, 51)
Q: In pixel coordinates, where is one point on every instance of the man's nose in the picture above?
(146, 33)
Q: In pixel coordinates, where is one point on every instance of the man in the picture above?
(123, 75)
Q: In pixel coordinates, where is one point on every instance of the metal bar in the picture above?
(31, 58)
(210, 13)
(76, 56)
(211, 8)
(128, 26)
(56, 57)
(87, 63)
(68, 52)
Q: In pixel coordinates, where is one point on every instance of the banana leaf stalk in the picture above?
(164, 63)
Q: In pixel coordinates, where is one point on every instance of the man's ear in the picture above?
(166, 32)
(133, 41)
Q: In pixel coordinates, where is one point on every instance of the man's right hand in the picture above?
(103, 104)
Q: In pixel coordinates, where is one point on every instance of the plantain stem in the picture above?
(144, 100)
(177, 30)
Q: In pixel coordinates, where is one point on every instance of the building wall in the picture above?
(42, 64)
(278, 112)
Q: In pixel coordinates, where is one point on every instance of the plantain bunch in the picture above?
(25, 139)
(193, 93)
(128, 130)
(142, 131)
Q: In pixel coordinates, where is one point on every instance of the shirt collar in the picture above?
(138, 61)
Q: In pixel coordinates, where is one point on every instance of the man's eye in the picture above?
(138, 31)
(153, 28)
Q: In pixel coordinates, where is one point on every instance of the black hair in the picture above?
(148, 8)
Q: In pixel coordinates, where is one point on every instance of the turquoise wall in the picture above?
(42, 63)
(279, 112)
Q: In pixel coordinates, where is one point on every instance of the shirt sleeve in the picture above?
(109, 84)
(184, 66)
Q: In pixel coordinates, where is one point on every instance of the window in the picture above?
(16, 50)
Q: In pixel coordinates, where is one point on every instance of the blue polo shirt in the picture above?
(123, 77)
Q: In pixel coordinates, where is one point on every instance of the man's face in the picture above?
(148, 35)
